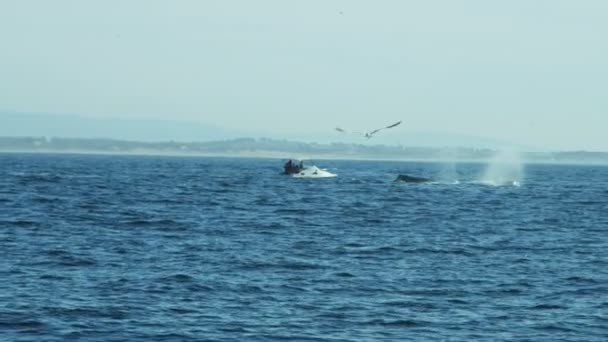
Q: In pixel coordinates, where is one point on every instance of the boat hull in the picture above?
(313, 172)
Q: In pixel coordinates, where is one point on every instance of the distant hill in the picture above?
(74, 126)
(266, 147)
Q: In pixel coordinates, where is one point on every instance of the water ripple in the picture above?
(156, 248)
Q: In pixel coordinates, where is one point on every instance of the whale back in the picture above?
(412, 179)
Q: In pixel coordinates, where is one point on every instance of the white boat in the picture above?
(313, 172)
(298, 170)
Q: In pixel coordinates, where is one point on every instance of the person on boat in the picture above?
(291, 167)
(288, 167)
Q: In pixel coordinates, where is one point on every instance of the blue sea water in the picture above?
(114, 248)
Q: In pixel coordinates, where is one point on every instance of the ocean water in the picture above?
(115, 248)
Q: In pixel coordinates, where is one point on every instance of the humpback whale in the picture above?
(412, 179)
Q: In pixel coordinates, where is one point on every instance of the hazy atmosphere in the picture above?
(525, 73)
(275, 170)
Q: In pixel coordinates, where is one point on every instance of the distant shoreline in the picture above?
(284, 157)
(284, 149)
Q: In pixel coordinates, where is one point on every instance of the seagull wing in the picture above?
(342, 130)
(379, 129)
(369, 134)
(393, 125)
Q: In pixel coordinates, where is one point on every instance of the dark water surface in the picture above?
(160, 248)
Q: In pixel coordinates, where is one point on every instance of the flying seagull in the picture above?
(370, 133)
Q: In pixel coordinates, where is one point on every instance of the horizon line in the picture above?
(49, 139)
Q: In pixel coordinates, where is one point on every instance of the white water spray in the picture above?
(448, 173)
(505, 168)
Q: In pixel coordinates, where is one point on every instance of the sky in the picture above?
(533, 73)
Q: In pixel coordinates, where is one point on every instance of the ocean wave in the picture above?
(200, 248)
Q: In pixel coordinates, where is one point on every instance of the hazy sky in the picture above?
(529, 71)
